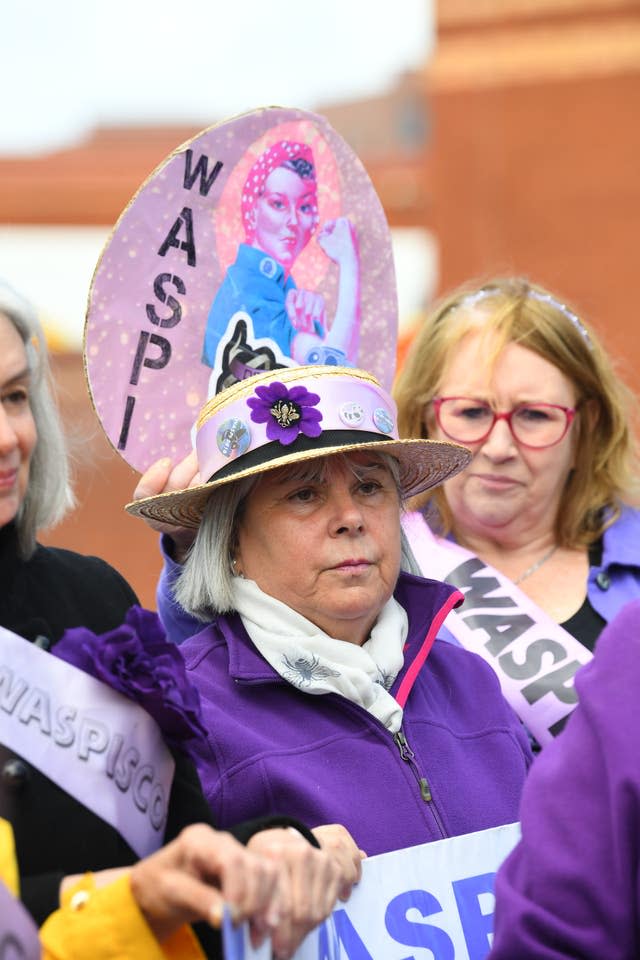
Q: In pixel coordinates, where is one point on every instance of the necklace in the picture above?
(536, 565)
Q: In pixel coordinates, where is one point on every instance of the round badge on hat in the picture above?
(351, 413)
(383, 420)
(259, 244)
(233, 437)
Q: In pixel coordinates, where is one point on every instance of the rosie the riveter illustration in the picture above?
(258, 299)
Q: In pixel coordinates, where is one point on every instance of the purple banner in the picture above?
(18, 933)
(103, 749)
(534, 658)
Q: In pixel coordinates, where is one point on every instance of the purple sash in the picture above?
(100, 747)
(18, 933)
(534, 658)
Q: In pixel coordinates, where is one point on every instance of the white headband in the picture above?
(487, 292)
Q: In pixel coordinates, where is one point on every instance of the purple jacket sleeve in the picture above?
(571, 888)
(177, 623)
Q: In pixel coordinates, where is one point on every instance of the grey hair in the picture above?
(49, 494)
(204, 587)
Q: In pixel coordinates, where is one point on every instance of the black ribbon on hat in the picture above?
(302, 444)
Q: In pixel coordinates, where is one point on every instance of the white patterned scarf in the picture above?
(316, 663)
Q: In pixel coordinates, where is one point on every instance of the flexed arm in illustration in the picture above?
(338, 240)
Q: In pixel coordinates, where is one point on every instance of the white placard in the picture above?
(430, 902)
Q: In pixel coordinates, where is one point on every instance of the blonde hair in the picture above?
(513, 310)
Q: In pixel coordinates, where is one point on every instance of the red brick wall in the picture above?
(543, 179)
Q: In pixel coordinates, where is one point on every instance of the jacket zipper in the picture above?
(409, 757)
(400, 740)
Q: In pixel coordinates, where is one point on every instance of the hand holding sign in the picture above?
(193, 876)
(310, 881)
(432, 900)
(337, 841)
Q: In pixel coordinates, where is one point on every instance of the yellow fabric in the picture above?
(8, 862)
(109, 926)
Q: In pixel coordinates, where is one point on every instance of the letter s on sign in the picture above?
(93, 738)
(63, 732)
(413, 934)
(172, 303)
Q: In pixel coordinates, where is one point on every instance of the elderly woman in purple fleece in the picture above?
(325, 690)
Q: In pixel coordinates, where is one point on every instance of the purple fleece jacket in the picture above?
(323, 759)
(571, 888)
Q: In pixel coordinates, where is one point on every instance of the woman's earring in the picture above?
(234, 569)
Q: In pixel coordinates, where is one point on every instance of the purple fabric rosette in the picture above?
(287, 413)
(138, 661)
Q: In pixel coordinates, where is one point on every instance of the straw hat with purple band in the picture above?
(299, 413)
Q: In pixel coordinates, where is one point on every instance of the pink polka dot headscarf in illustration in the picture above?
(295, 156)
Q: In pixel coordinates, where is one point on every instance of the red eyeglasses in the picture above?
(535, 425)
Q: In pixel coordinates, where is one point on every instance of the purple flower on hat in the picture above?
(287, 413)
(137, 660)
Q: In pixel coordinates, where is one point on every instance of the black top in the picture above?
(55, 834)
(56, 589)
(586, 624)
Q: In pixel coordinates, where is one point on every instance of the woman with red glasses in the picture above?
(544, 508)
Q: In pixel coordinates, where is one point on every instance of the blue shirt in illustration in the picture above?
(256, 284)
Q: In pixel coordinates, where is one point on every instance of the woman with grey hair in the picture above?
(35, 493)
(51, 799)
(45, 590)
(48, 493)
(325, 690)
